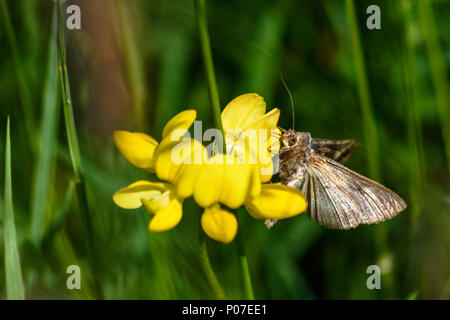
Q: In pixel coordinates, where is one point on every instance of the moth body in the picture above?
(338, 198)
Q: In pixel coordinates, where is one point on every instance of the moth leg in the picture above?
(270, 223)
(282, 130)
(291, 156)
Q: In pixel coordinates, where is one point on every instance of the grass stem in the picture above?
(370, 131)
(24, 90)
(206, 264)
(13, 274)
(47, 139)
(74, 150)
(200, 16)
(243, 263)
(438, 70)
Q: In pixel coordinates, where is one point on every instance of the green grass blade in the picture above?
(72, 139)
(14, 282)
(418, 179)
(24, 90)
(370, 131)
(262, 67)
(69, 120)
(438, 70)
(134, 63)
(60, 217)
(243, 263)
(202, 25)
(49, 124)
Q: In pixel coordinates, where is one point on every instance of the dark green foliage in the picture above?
(135, 64)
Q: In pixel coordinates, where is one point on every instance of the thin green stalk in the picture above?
(417, 189)
(69, 121)
(438, 70)
(210, 275)
(243, 262)
(200, 16)
(261, 67)
(133, 60)
(49, 125)
(13, 274)
(24, 90)
(370, 132)
(60, 216)
(74, 150)
(67, 102)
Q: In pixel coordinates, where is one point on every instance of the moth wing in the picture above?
(339, 198)
(338, 150)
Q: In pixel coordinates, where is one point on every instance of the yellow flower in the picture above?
(179, 163)
(144, 152)
(184, 166)
(157, 198)
(233, 185)
(218, 182)
(244, 119)
(276, 201)
(219, 224)
(140, 149)
(248, 111)
(227, 183)
(136, 147)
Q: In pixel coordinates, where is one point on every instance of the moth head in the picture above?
(292, 138)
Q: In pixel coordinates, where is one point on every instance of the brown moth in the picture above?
(337, 197)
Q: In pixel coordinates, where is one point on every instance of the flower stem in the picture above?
(200, 16)
(206, 264)
(243, 263)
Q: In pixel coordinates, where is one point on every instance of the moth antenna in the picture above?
(281, 129)
(292, 100)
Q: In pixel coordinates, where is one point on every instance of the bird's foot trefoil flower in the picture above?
(219, 183)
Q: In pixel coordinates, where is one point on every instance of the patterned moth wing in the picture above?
(338, 150)
(338, 198)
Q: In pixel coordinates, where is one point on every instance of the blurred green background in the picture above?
(134, 64)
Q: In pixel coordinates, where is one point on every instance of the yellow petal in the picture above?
(182, 120)
(171, 157)
(130, 197)
(276, 201)
(185, 180)
(267, 121)
(165, 167)
(252, 153)
(208, 185)
(237, 181)
(255, 146)
(255, 182)
(267, 145)
(158, 203)
(266, 169)
(228, 183)
(136, 147)
(274, 141)
(168, 217)
(219, 224)
(243, 144)
(242, 111)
